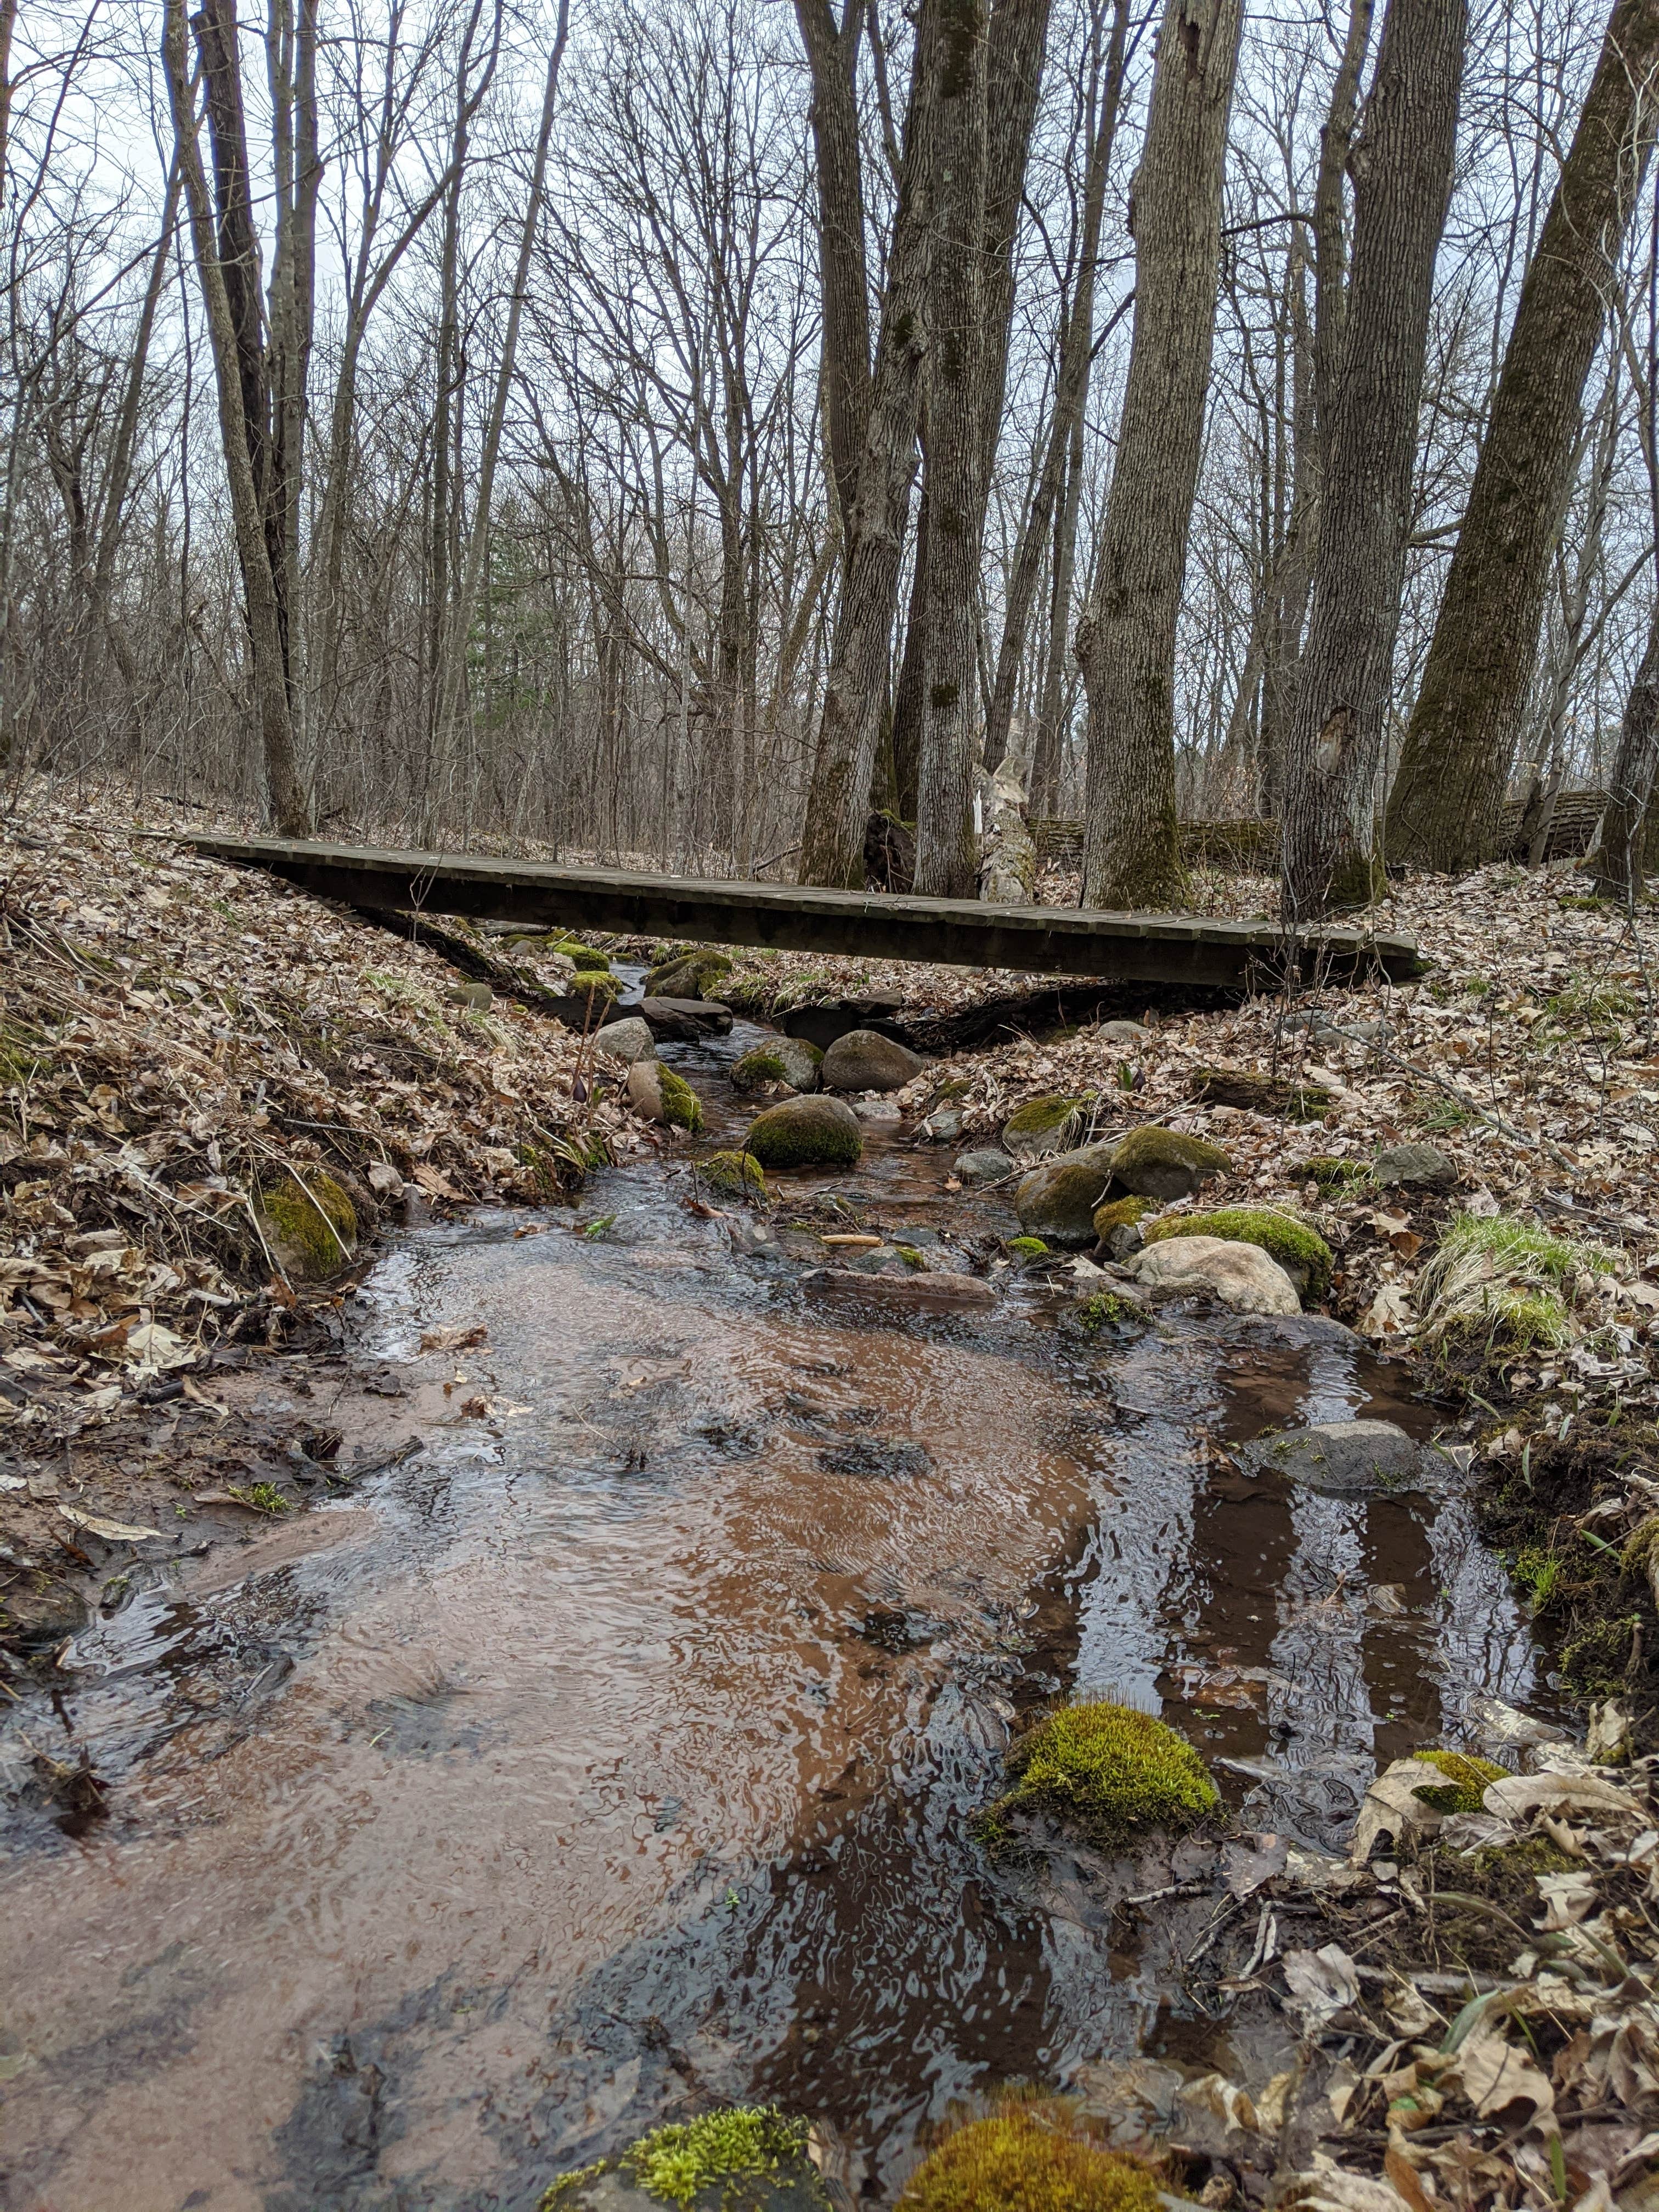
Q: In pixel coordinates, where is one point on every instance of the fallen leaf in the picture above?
(113, 1531)
(453, 1339)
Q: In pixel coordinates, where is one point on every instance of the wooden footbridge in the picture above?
(1151, 948)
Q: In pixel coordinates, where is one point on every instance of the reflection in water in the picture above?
(628, 1756)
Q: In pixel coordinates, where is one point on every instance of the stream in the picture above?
(619, 1754)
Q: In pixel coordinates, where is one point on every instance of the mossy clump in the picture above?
(582, 956)
(1106, 1310)
(738, 1173)
(1598, 1662)
(1301, 1252)
(733, 2150)
(1109, 1772)
(1020, 2162)
(1261, 1094)
(681, 1105)
(756, 1068)
(687, 975)
(1465, 1786)
(1157, 1163)
(1333, 1174)
(1040, 1117)
(1028, 1247)
(1119, 1214)
(312, 1232)
(595, 988)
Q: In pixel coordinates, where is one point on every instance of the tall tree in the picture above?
(1402, 167)
(837, 803)
(832, 58)
(1461, 741)
(1126, 641)
(262, 456)
(959, 369)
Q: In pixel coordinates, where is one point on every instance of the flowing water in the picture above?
(620, 1755)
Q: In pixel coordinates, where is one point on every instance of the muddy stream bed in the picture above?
(619, 1754)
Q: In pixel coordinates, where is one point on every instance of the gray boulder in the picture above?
(685, 1019)
(1342, 1458)
(628, 1040)
(1414, 1167)
(1057, 1200)
(1240, 1275)
(1122, 1033)
(986, 1164)
(864, 1060)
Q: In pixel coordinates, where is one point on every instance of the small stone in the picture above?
(1057, 1200)
(477, 997)
(879, 1110)
(1342, 1458)
(1124, 1033)
(1414, 1167)
(628, 1040)
(864, 1060)
(944, 1126)
(1240, 1275)
(985, 1165)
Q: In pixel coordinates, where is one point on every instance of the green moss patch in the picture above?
(1028, 1247)
(1119, 1214)
(756, 1068)
(595, 987)
(1150, 1152)
(1465, 1785)
(312, 1232)
(738, 1173)
(1106, 1310)
(728, 2151)
(680, 1104)
(689, 974)
(1108, 1771)
(806, 1133)
(1301, 1252)
(1026, 2160)
(583, 955)
(1037, 1117)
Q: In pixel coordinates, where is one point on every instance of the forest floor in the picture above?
(216, 1091)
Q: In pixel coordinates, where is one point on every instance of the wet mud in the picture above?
(618, 1751)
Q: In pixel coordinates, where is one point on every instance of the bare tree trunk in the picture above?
(1461, 740)
(832, 57)
(832, 848)
(1126, 641)
(1401, 166)
(1076, 340)
(228, 266)
(957, 367)
(1619, 870)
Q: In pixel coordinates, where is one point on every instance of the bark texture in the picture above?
(1619, 871)
(1460, 745)
(832, 845)
(831, 57)
(1401, 167)
(959, 368)
(1126, 641)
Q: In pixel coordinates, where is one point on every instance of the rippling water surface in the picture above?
(628, 1757)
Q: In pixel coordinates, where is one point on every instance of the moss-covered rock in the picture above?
(594, 989)
(1057, 1200)
(1028, 1247)
(1464, 1789)
(1045, 1125)
(1301, 1252)
(1261, 1094)
(693, 973)
(311, 1230)
(1157, 1163)
(806, 1133)
(659, 1095)
(780, 1059)
(1028, 2160)
(738, 1174)
(580, 955)
(865, 1060)
(1108, 1771)
(1119, 1214)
